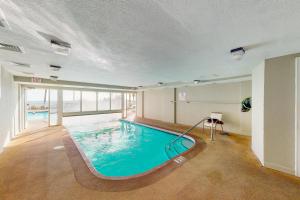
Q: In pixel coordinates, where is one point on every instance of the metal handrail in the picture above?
(186, 132)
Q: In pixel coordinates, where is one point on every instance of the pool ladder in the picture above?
(170, 146)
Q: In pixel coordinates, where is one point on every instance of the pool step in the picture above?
(180, 160)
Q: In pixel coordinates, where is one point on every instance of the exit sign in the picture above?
(36, 80)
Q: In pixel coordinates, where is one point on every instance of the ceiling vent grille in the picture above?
(61, 47)
(55, 67)
(20, 64)
(9, 47)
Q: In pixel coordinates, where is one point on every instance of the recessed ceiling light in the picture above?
(160, 83)
(53, 78)
(237, 53)
(55, 67)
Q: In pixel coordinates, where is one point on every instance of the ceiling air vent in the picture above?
(53, 78)
(9, 47)
(61, 47)
(55, 67)
(58, 45)
(20, 64)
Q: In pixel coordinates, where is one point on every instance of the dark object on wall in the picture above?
(246, 105)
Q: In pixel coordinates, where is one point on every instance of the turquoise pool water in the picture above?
(37, 115)
(127, 149)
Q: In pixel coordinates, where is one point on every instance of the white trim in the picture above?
(281, 168)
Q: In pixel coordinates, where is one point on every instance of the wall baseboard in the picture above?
(281, 168)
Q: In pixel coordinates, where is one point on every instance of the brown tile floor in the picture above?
(225, 169)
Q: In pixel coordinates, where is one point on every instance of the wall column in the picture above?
(143, 101)
(59, 107)
(175, 105)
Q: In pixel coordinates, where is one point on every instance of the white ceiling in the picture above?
(142, 42)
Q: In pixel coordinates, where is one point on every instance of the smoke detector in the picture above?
(237, 53)
(53, 78)
(55, 67)
(61, 47)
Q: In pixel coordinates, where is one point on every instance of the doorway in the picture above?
(40, 108)
(129, 105)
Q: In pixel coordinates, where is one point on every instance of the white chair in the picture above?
(215, 119)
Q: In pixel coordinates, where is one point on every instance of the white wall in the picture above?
(279, 120)
(225, 98)
(139, 106)
(8, 108)
(273, 102)
(258, 78)
(158, 104)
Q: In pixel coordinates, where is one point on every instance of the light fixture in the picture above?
(55, 67)
(237, 53)
(196, 82)
(160, 83)
(53, 78)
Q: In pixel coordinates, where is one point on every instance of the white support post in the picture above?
(59, 107)
(297, 117)
(123, 111)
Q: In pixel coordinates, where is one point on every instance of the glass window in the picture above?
(88, 101)
(71, 101)
(116, 101)
(103, 101)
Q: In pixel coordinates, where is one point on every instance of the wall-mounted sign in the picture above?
(36, 80)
